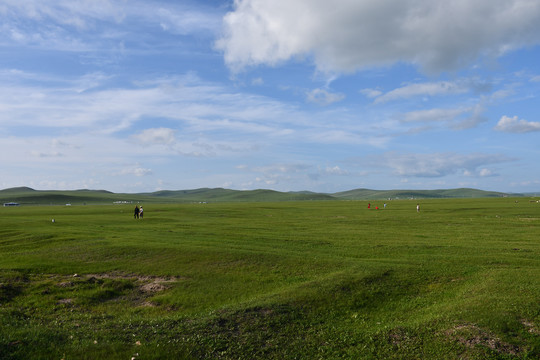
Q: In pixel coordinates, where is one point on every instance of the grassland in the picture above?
(272, 280)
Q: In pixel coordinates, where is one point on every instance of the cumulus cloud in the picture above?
(348, 35)
(515, 125)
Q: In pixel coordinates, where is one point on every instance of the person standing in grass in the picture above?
(136, 214)
(141, 212)
(417, 207)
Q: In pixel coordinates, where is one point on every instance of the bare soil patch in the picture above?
(65, 301)
(472, 335)
(135, 289)
(145, 283)
(533, 329)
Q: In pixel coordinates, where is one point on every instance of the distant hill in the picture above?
(17, 190)
(367, 194)
(220, 194)
(28, 196)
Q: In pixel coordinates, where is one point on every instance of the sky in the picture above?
(144, 95)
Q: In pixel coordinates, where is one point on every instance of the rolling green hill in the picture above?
(220, 194)
(28, 196)
(367, 194)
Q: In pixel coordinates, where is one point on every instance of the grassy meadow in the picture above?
(272, 280)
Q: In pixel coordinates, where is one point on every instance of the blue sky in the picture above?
(327, 96)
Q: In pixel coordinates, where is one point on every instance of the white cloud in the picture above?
(476, 117)
(439, 115)
(135, 171)
(40, 154)
(90, 81)
(485, 172)
(515, 125)
(534, 183)
(257, 81)
(92, 25)
(200, 106)
(336, 170)
(164, 136)
(324, 97)
(349, 35)
(58, 25)
(439, 164)
(176, 113)
(371, 93)
(181, 20)
(278, 173)
(456, 119)
(142, 171)
(425, 89)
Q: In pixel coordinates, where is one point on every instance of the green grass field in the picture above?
(280, 280)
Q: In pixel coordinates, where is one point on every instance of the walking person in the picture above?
(141, 212)
(417, 207)
(136, 213)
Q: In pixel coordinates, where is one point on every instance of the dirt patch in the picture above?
(472, 335)
(145, 283)
(133, 288)
(148, 304)
(530, 327)
(65, 301)
(65, 284)
(398, 336)
(152, 287)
